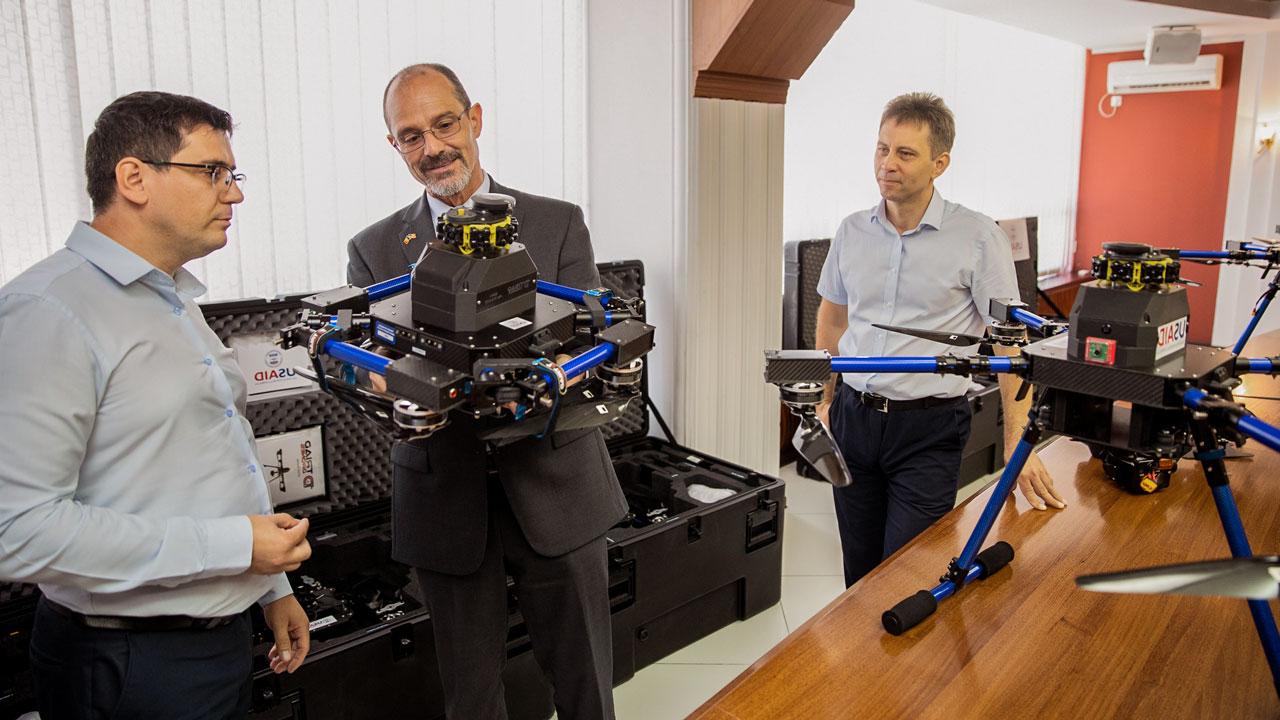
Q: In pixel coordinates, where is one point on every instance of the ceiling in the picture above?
(1120, 24)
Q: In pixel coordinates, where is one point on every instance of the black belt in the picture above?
(140, 624)
(884, 404)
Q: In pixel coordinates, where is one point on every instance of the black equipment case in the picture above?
(680, 568)
(802, 265)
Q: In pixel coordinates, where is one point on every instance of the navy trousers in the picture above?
(565, 603)
(905, 466)
(90, 674)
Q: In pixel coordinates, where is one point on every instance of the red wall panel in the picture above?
(1157, 172)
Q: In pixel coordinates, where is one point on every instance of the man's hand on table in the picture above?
(1036, 485)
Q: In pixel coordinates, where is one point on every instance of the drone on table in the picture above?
(471, 332)
(1118, 375)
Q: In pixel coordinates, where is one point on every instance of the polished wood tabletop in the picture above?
(1026, 643)
(1260, 346)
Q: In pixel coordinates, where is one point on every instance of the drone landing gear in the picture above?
(972, 564)
(1211, 456)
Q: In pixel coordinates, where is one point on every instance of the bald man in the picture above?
(466, 515)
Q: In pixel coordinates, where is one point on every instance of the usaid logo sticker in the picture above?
(267, 367)
(1171, 337)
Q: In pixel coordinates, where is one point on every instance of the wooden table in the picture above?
(1026, 643)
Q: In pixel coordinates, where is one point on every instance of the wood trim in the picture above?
(1249, 8)
(727, 86)
(750, 49)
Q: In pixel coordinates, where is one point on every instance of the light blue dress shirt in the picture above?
(941, 275)
(128, 466)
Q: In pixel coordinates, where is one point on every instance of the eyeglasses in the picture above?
(220, 176)
(446, 127)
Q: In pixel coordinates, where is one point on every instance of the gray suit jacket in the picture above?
(562, 489)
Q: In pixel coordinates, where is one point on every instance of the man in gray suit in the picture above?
(465, 514)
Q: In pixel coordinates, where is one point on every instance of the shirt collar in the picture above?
(124, 265)
(439, 207)
(932, 214)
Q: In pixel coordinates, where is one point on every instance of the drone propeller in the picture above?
(956, 339)
(1252, 577)
(816, 445)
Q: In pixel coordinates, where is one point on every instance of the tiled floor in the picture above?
(811, 578)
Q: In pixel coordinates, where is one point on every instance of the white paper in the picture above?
(1017, 232)
(266, 367)
(293, 464)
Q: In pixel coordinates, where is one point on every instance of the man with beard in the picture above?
(914, 260)
(465, 514)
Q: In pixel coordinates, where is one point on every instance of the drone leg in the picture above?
(1215, 472)
(972, 564)
(1267, 297)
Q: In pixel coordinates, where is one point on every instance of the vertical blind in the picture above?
(303, 80)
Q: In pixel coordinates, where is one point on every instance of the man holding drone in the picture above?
(465, 515)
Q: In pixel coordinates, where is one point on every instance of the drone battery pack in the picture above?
(460, 293)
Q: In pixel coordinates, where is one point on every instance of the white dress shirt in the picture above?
(128, 466)
(940, 275)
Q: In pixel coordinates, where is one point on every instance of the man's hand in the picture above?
(824, 413)
(279, 543)
(378, 382)
(289, 625)
(1036, 485)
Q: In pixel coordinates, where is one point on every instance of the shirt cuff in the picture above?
(228, 545)
(279, 588)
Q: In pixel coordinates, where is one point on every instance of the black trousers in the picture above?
(905, 467)
(565, 603)
(89, 674)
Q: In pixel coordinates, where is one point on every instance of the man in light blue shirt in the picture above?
(914, 260)
(130, 488)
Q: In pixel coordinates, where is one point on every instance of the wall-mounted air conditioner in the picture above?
(1130, 77)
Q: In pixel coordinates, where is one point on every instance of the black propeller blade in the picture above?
(956, 339)
(1251, 577)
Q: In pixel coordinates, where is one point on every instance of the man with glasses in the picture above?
(130, 488)
(466, 515)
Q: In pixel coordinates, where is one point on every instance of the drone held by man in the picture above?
(1118, 375)
(471, 332)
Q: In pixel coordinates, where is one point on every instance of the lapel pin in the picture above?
(409, 237)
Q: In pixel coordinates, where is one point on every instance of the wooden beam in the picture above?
(1266, 9)
(727, 86)
(751, 49)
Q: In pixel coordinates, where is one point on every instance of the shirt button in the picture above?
(230, 412)
(177, 311)
(208, 361)
(253, 469)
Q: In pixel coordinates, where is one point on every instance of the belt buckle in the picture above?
(879, 403)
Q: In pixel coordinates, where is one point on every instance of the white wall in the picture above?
(303, 80)
(1253, 196)
(638, 110)
(1017, 99)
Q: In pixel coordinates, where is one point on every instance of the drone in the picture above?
(1119, 375)
(470, 332)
